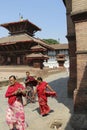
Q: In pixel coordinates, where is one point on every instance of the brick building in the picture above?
(76, 13)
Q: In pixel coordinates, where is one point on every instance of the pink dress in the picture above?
(15, 112)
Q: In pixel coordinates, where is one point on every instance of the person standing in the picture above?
(43, 90)
(30, 82)
(15, 116)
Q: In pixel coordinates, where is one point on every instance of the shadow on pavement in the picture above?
(60, 86)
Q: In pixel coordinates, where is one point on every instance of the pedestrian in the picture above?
(43, 90)
(15, 116)
(30, 82)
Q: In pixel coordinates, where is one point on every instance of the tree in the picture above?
(51, 41)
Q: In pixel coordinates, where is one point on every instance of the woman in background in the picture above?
(42, 93)
(30, 82)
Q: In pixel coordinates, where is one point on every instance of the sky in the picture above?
(49, 15)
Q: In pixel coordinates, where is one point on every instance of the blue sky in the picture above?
(49, 15)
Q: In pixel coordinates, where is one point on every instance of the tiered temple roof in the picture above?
(23, 26)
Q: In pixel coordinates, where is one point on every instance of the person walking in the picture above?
(43, 90)
(15, 116)
(30, 82)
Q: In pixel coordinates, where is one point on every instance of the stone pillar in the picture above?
(79, 16)
(72, 48)
(73, 72)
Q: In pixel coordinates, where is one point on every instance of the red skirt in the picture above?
(44, 108)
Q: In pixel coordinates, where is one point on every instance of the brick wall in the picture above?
(77, 38)
(72, 49)
(80, 20)
(81, 35)
(81, 71)
(79, 6)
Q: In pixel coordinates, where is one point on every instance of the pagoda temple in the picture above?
(18, 46)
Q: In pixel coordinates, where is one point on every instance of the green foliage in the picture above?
(51, 41)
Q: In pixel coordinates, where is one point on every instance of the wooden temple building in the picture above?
(20, 47)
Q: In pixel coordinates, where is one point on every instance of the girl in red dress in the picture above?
(42, 93)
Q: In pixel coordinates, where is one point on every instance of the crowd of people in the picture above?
(15, 116)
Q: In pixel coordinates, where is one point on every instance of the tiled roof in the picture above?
(60, 46)
(22, 38)
(15, 38)
(37, 47)
(6, 25)
(34, 55)
(26, 38)
(41, 42)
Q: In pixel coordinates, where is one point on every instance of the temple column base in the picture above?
(78, 121)
(71, 87)
(80, 101)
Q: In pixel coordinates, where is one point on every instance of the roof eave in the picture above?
(64, 2)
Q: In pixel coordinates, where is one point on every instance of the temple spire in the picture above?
(20, 17)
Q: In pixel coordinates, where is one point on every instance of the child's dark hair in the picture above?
(40, 79)
(12, 76)
(27, 72)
